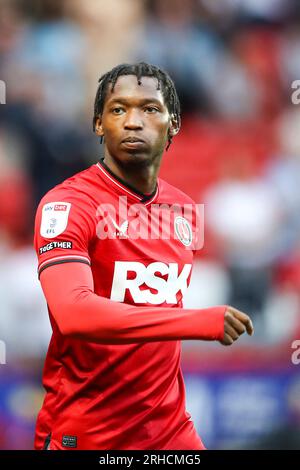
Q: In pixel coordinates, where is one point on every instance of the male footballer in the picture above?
(115, 250)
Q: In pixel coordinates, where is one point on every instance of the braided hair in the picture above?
(141, 69)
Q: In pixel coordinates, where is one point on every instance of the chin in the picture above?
(136, 158)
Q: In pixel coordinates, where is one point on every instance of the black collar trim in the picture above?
(143, 197)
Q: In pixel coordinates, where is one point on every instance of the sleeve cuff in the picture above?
(61, 260)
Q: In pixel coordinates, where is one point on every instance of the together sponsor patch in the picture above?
(64, 245)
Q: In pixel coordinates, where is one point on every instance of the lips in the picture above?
(133, 140)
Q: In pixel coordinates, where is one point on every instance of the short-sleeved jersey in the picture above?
(140, 249)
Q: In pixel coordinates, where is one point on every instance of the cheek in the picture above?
(160, 138)
(112, 129)
(163, 131)
(161, 127)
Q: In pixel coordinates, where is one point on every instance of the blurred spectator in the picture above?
(283, 172)
(24, 323)
(173, 40)
(244, 214)
(110, 30)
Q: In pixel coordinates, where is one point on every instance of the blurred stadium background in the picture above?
(233, 62)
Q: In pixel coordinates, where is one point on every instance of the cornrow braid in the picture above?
(141, 69)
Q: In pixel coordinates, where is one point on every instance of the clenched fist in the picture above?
(235, 324)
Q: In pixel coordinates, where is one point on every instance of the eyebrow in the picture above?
(142, 101)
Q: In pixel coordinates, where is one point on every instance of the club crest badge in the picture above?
(183, 231)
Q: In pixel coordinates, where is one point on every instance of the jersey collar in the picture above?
(125, 187)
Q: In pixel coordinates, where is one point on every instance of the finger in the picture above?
(250, 327)
(229, 330)
(227, 340)
(236, 324)
(242, 317)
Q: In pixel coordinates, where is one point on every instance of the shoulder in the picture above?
(172, 194)
(68, 208)
(69, 204)
(77, 190)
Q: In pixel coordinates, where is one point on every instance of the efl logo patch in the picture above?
(54, 219)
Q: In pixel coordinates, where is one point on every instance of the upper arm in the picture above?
(63, 231)
(65, 287)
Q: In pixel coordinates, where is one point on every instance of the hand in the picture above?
(235, 324)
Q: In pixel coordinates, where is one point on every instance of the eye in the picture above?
(118, 110)
(151, 109)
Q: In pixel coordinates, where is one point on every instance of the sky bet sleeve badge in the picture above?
(54, 219)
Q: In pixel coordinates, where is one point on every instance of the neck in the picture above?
(140, 176)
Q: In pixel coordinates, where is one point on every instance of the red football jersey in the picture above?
(124, 396)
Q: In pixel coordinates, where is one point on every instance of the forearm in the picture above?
(98, 319)
(82, 314)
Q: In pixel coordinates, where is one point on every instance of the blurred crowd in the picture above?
(238, 152)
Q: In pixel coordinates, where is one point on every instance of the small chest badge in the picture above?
(183, 231)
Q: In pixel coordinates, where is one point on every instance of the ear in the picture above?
(174, 127)
(98, 127)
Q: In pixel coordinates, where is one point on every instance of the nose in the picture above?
(133, 120)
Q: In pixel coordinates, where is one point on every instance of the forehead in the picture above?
(127, 88)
